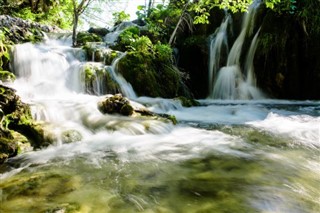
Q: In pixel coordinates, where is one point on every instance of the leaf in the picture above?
(6, 55)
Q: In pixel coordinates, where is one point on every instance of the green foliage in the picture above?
(308, 12)
(271, 3)
(284, 6)
(121, 16)
(141, 12)
(4, 51)
(142, 44)
(163, 52)
(46, 12)
(84, 37)
(160, 20)
(202, 8)
(127, 37)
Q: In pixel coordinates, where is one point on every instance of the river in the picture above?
(222, 156)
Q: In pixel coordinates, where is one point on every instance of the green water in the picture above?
(251, 171)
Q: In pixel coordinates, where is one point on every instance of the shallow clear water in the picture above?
(221, 157)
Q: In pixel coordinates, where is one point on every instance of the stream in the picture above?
(222, 156)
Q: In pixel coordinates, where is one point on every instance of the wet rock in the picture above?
(188, 102)
(18, 30)
(98, 80)
(98, 52)
(84, 37)
(116, 104)
(71, 136)
(6, 76)
(18, 131)
(99, 31)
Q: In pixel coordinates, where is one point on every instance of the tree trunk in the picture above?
(173, 35)
(74, 29)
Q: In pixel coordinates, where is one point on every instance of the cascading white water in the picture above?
(218, 42)
(222, 156)
(111, 38)
(126, 87)
(51, 76)
(231, 82)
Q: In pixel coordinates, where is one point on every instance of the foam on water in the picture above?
(178, 144)
(303, 129)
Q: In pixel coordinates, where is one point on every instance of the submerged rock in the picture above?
(70, 136)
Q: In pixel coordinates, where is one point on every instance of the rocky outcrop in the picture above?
(117, 104)
(18, 131)
(18, 30)
(286, 62)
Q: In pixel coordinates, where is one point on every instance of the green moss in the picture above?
(6, 76)
(188, 102)
(18, 131)
(116, 104)
(92, 73)
(149, 76)
(84, 37)
(127, 37)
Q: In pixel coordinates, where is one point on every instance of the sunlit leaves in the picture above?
(202, 8)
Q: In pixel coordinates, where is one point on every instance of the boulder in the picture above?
(116, 104)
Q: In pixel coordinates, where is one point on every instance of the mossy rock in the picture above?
(6, 76)
(148, 76)
(8, 148)
(95, 74)
(188, 102)
(18, 131)
(116, 104)
(84, 37)
(15, 143)
(98, 52)
(98, 31)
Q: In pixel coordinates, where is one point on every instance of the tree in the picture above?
(78, 9)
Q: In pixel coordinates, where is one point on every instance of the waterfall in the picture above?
(53, 68)
(231, 82)
(112, 37)
(43, 69)
(218, 41)
(126, 87)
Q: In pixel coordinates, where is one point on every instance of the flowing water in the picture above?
(229, 81)
(222, 156)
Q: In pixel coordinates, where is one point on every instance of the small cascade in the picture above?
(111, 38)
(43, 69)
(231, 82)
(218, 42)
(125, 87)
(52, 68)
(249, 61)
